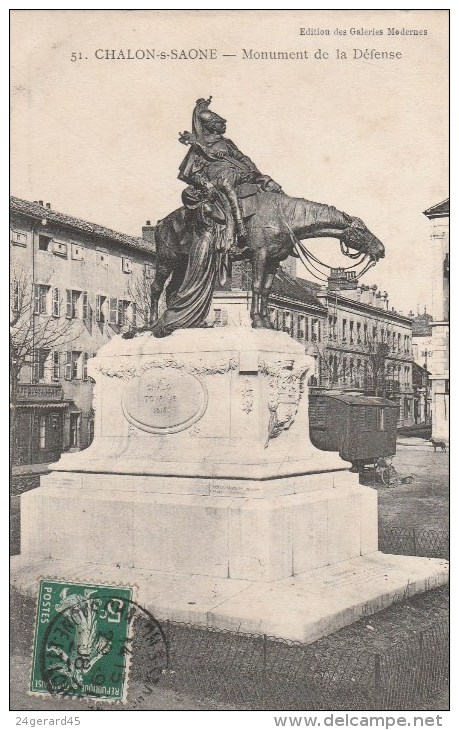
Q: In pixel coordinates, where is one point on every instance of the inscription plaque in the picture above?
(164, 403)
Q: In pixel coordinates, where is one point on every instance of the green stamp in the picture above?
(89, 637)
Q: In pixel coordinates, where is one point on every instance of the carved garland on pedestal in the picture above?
(210, 365)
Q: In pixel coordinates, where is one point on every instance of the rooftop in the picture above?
(298, 289)
(39, 212)
(422, 325)
(440, 210)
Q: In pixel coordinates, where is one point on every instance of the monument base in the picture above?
(202, 488)
(302, 608)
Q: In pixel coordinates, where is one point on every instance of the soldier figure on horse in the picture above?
(214, 164)
(232, 211)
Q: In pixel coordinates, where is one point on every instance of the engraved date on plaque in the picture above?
(164, 403)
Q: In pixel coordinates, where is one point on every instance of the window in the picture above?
(77, 305)
(102, 257)
(60, 248)
(380, 419)
(359, 333)
(40, 299)
(351, 331)
(332, 327)
(15, 295)
(113, 311)
(75, 428)
(77, 252)
(123, 312)
(56, 374)
(56, 307)
(18, 238)
(149, 271)
(300, 330)
(286, 322)
(44, 243)
(344, 330)
(39, 364)
(399, 342)
(100, 308)
(126, 265)
(315, 330)
(42, 433)
(375, 334)
(72, 365)
(306, 328)
(365, 333)
(134, 314)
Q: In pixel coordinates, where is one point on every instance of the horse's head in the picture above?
(358, 237)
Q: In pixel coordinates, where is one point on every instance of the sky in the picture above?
(98, 138)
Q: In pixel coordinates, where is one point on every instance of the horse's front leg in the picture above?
(272, 270)
(259, 276)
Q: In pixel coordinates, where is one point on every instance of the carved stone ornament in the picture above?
(247, 396)
(164, 402)
(285, 380)
(209, 364)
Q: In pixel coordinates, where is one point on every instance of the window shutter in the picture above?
(134, 314)
(15, 295)
(35, 365)
(36, 299)
(56, 302)
(85, 306)
(68, 365)
(84, 374)
(68, 312)
(120, 318)
(56, 365)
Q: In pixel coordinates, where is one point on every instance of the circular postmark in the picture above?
(103, 647)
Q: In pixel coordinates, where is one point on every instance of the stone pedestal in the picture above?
(202, 488)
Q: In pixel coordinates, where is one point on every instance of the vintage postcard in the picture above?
(229, 368)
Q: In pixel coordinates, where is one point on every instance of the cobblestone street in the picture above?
(424, 503)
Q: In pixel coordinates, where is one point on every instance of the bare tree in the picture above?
(139, 292)
(32, 332)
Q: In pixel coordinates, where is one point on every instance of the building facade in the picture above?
(74, 285)
(357, 340)
(438, 215)
(422, 364)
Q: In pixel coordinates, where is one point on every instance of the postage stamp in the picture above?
(90, 639)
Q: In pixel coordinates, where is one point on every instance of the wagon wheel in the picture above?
(390, 477)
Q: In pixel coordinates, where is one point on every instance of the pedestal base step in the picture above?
(302, 608)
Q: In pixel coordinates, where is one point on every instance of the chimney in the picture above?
(40, 202)
(48, 205)
(148, 233)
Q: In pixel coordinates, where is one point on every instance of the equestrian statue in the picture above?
(231, 211)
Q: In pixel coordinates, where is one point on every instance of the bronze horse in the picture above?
(275, 230)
